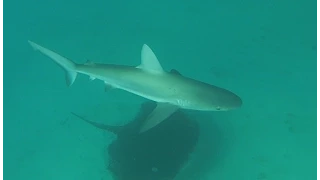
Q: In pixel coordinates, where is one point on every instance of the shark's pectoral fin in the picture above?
(159, 114)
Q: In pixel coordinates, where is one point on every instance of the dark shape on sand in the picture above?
(158, 154)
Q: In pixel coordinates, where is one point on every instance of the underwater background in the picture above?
(264, 51)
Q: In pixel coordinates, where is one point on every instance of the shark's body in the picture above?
(170, 90)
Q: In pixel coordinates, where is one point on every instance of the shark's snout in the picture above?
(237, 101)
(233, 102)
(228, 101)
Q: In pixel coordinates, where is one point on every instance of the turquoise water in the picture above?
(265, 51)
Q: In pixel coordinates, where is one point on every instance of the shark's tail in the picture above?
(66, 64)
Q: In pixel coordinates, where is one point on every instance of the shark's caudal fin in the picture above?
(65, 63)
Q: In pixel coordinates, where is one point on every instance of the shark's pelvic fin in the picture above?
(65, 63)
(149, 61)
(90, 63)
(159, 114)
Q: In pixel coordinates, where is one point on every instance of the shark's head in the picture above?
(217, 99)
(225, 101)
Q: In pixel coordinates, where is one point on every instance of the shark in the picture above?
(171, 91)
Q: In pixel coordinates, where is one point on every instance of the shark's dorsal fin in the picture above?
(176, 72)
(88, 62)
(149, 61)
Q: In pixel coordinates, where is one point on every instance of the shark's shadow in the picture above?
(214, 143)
(157, 154)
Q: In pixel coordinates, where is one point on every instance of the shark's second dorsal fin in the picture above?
(149, 61)
(176, 72)
(89, 62)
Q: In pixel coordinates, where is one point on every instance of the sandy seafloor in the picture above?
(265, 51)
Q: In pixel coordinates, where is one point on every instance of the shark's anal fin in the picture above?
(159, 114)
(92, 78)
(113, 129)
(108, 87)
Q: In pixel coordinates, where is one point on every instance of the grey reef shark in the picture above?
(171, 91)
